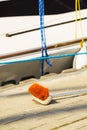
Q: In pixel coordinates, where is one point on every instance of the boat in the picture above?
(20, 41)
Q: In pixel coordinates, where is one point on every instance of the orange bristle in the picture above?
(39, 91)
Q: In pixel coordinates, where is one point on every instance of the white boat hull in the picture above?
(63, 32)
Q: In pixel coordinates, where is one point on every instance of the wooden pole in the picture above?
(39, 49)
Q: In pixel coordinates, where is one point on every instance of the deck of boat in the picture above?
(19, 112)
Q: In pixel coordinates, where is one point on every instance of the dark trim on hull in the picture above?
(35, 29)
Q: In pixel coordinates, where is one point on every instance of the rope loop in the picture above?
(43, 37)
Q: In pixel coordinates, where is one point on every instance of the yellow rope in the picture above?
(77, 9)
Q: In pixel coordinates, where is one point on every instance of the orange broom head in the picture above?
(39, 91)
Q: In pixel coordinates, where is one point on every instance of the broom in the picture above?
(41, 94)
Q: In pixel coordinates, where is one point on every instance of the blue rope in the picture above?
(43, 58)
(43, 37)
